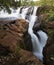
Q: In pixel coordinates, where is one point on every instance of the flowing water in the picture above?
(31, 18)
(37, 44)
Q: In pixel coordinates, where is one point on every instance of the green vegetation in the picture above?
(48, 9)
(47, 2)
(15, 3)
(6, 4)
(51, 16)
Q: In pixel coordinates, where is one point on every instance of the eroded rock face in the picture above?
(25, 58)
(41, 24)
(48, 51)
(48, 27)
(11, 34)
(27, 41)
(37, 26)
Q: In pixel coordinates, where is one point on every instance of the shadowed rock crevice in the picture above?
(48, 51)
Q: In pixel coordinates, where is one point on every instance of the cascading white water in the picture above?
(37, 44)
(42, 42)
(23, 14)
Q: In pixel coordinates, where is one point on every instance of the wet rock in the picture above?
(37, 25)
(27, 41)
(44, 25)
(50, 25)
(47, 27)
(25, 58)
(48, 51)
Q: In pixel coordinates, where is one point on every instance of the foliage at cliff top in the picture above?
(6, 4)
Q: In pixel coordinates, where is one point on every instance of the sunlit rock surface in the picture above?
(12, 33)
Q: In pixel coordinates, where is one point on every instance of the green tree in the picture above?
(43, 2)
(27, 2)
(47, 2)
(52, 2)
(6, 4)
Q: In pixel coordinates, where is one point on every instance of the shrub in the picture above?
(51, 16)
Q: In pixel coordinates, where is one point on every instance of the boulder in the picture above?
(25, 58)
(11, 34)
(48, 51)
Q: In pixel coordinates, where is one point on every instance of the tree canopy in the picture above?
(47, 2)
(6, 4)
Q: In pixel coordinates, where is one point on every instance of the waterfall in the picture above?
(31, 18)
(42, 42)
(23, 14)
(37, 44)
